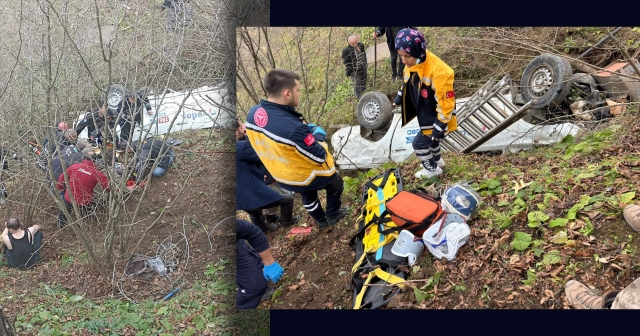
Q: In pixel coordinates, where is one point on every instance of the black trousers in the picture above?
(394, 60)
(84, 210)
(286, 211)
(311, 202)
(250, 280)
(359, 80)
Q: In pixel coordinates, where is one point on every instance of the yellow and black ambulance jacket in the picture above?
(427, 92)
(296, 158)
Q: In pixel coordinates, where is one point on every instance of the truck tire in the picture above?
(547, 79)
(374, 110)
(115, 95)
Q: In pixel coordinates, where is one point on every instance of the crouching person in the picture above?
(147, 153)
(21, 247)
(255, 266)
(83, 178)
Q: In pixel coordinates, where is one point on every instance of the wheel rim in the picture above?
(370, 111)
(540, 81)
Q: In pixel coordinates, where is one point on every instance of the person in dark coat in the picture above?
(252, 193)
(131, 115)
(94, 120)
(147, 153)
(70, 155)
(354, 57)
(5, 167)
(391, 33)
(255, 266)
(179, 14)
(64, 136)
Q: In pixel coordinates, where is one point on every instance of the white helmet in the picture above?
(408, 245)
(461, 199)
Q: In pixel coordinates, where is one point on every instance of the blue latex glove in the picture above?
(313, 128)
(319, 130)
(273, 272)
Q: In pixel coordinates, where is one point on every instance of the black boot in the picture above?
(295, 219)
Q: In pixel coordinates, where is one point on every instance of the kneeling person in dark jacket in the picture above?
(255, 266)
(70, 155)
(147, 153)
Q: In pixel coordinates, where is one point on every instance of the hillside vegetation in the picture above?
(525, 244)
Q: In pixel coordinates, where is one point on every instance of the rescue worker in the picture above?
(294, 152)
(93, 121)
(252, 193)
(255, 266)
(147, 153)
(427, 93)
(83, 178)
(179, 14)
(70, 155)
(5, 167)
(130, 114)
(64, 136)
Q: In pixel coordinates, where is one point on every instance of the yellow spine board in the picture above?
(372, 240)
(390, 278)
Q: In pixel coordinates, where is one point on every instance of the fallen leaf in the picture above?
(549, 293)
(519, 186)
(559, 238)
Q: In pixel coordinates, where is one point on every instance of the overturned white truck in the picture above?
(203, 107)
(487, 121)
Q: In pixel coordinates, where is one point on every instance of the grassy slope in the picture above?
(202, 308)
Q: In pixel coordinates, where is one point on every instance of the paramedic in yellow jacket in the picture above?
(427, 93)
(295, 153)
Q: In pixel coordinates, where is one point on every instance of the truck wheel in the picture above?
(548, 79)
(374, 110)
(115, 95)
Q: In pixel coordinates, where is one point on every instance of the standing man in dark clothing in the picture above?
(131, 115)
(255, 266)
(354, 57)
(252, 193)
(5, 166)
(83, 178)
(21, 246)
(179, 14)
(391, 33)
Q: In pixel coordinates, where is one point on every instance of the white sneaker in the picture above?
(440, 163)
(428, 173)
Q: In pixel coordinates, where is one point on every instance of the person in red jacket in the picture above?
(83, 177)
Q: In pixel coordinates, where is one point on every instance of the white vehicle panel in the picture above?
(351, 151)
(204, 107)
